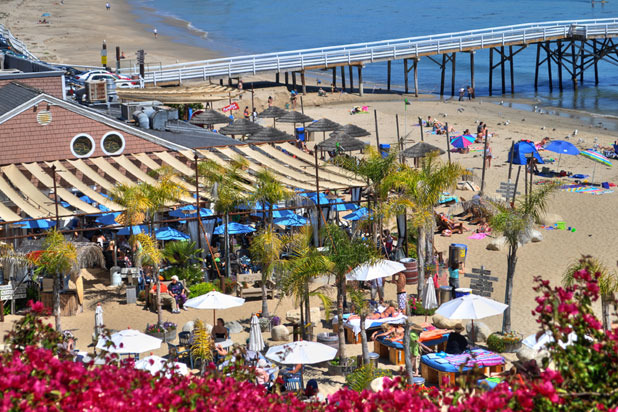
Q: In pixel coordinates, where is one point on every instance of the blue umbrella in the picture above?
(562, 146)
(293, 220)
(358, 214)
(169, 233)
(323, 199)
(277, 214)
(45, 15)
(108, 219)
(86, 199)
(340, 206)
(64, 204)
(103, 208)
(190, 211)
(233, 229)
(133, 230)
(37, 224)
(520, 149)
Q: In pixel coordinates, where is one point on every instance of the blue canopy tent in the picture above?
(169, 233)
(358, 214)
(294, 220)
(133, 230)
(37, 224)
(518, 154)
(233, 229)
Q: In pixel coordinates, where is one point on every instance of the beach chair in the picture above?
(292, 383)
(175, 354)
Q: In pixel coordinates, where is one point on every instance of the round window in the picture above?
(82, 145)
(112, 143)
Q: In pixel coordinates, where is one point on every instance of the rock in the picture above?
(535, 236)
(481, 331)
(496, 244)
(443, 323)
(280, 333)
(208, 328)
(526, 354)
(234, 327)
(377, 385)
(549, 219)
(189, 326)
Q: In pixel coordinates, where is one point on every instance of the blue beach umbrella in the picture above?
(338, 205)
(86, 199)
(462, 141)
(277, 214)
(294, 220)
(190, 211)
(37, 224)
(358, 214)
(169, 233)
(311, 195)
(562, 147)
(233, 229)
(108, 219)
(133, 230)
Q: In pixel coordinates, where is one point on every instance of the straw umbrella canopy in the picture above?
(323, 125)
(295, 117)
(341, 141)
(240, 127)
(273, 112)
(354, 131)
(209, 117)
(421, 149)
(269, 134)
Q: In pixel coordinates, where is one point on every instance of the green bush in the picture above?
(497, 342)
(201, 289)
(416, 308)
(191, 274)
(360, 379)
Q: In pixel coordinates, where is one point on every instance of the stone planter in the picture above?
(497, 342)
(168, 336)
(338, 370)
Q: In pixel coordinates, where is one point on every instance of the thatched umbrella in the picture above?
(209, 117)
(421, 149)
(341, 141)
(269, 134)
(323, 125)
(241, 127)
(295, 117)
(273, 112)
(354, 131)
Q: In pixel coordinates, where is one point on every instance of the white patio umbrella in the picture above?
(154, 364)
(302, 352)
(98, 320)
(381, 269)
(129, 341)
(471, 307)
(214, 300)
(256, 341)
(541, 343)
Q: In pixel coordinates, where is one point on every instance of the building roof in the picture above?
(14, 94)
(184, 134)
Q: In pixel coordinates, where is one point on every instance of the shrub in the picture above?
(201, 289)
(360, 379)
(497, 342)
(416, 308)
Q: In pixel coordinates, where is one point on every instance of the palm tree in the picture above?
(184, 256)
(268, 192)
(305, 264)
(266, 249)
(608, 282)
(150, 252)
(57, 259)
(419, 191)
(358, 298)
(513, 223)
(345, 254)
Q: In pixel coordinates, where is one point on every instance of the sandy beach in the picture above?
(78, 28)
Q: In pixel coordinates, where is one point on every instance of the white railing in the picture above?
(16, 43)
(361, 53)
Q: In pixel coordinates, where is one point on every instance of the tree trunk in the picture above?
(302, 320)
(307, 309)
(364, 346)
(429, 255)
(159, 314)
(227, 250)
(406, 352)
(265, 313)
(510, 272)
(57, 288)
(420, 263)
(341, 331)
(606, 315)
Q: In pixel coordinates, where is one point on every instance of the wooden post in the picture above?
(416, 59)
(574, 65)
(581, 63)
(399, 139)
(453, 74)
(302, 80)
(448, 144)
(388, 75)
(472, 83)
(375, 115)
(515, 189)
(536, 67)
(294, 80)
(342, 78)
(502, 69)
(53, 169)
(442, 75)
(511, 162)
(351, 79)
(596, 68)
(334, 77)
(483, 157)
(511, 69)
(559, 43)
(420, 124)
(405, 75)
(317, 192)
(360, 81)
(491, 70)
(548, 51)
(287, 78)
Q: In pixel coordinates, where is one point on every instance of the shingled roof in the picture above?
(14, 94)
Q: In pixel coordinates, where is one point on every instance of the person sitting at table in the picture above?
(456, 343)
(290, 371)
(220, 332)
(165, 297)
(178, 292)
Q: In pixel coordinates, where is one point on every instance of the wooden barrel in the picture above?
(411, 271)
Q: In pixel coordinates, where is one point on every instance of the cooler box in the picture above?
(300, 133)
(457, 252)
(459, 292)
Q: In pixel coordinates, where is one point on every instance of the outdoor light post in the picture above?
(53, 168)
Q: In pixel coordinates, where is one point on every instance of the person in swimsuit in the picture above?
(219, 332)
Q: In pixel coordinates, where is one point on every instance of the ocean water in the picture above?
(236, 27)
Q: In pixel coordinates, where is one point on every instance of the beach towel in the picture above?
(478, 236)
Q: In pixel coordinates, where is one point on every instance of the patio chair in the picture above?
(292, 383)
(175, 354)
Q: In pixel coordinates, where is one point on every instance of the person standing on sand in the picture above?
(270, 101)
(470, 92)
(108, 6)
(488, 156)
(399, 279)
(155, 32)
(462, 91)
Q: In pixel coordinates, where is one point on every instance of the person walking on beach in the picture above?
(155, 32)
(246, 112)
(488, 156)
(462, 91)
(108, 6)
(470, 92)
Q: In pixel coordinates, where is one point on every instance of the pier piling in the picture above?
(405, 75)
(453, 68)
(472, 84)
(559, 50)
(416, 76)
(548, 51)
(388, 75)
(442, 68)
(574, 65)
(502, 69)
(342, 78)
(596, 68)
(491, 70)
(351, 79)
(511, 69)
(302, 81)
(536, 67)
(360, 81)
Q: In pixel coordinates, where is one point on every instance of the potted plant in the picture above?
(416, 308)
(503, 343)
(166, 331)
(336, 369)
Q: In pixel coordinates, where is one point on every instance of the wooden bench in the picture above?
(250, 285)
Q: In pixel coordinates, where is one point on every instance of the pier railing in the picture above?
(16, 43)
(362, 53)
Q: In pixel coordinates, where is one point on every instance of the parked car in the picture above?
(121, 81)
